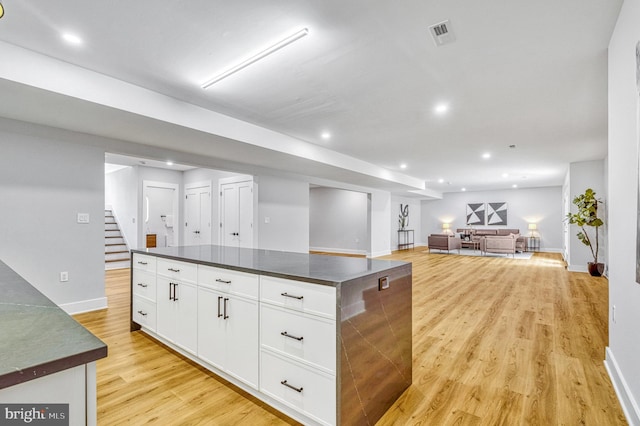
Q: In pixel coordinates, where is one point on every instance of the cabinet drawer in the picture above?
(143, 262)
(144, 284)
(310, 339)
(183, 271)
(228, 280)
(310, 298)
(144, 313)
(311, 391)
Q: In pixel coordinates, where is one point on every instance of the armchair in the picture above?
(444, 242)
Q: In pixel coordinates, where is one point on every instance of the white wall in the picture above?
(380, 218)
(415, 220)
(121, 193)
(44, 184)
(583, 175)
(542, 206)
(338, 220)
(284, 204)
(624, 293)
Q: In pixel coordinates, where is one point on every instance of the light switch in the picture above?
(83, 217)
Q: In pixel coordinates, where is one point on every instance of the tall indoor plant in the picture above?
(587, 216)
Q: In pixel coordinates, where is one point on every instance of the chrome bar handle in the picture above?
(219, 299)
(285, 334)
(175, 292)
(173, 270)
(218, 280)
(291, 296)
(284, 382)
(225, 316)
(140, 262)
(143, 285)
(144, 314)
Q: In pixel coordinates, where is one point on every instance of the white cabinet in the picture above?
(228, 334)
(143, 289)
(177, 301)
(298, 346)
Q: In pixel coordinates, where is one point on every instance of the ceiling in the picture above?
(532, 75)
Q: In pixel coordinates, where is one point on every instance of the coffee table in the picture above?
(475, 245)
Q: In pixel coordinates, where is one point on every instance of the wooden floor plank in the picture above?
(496, 341)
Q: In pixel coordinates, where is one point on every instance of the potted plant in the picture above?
(587, 216)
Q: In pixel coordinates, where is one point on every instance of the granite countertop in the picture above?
(319, 269)
(37, 337)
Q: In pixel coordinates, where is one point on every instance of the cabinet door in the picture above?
(211, 327)
(167, 310)
(187, 316)
(242, 340)
(177, 313)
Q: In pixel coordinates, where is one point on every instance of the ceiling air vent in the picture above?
(442, 33)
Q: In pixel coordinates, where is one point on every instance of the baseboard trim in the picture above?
(338, 250)
(577, 268)
(85, 306)
(628, 403)
(380, 253)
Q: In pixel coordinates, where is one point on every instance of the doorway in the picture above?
(160, 214)
(197, 213)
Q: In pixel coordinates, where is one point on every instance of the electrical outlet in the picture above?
(64, 277)
(83, 218)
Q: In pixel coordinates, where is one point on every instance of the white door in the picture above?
(160, 212)
(237, 214)
(198, 214)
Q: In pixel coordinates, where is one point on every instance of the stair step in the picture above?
(117, 260)
(116, 252)
(114, 244)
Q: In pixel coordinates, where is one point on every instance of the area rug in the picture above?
(470, 252)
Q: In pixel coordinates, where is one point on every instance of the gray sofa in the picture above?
(478, 234)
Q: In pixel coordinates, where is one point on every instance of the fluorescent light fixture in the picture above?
(72, 39)
(266, 52)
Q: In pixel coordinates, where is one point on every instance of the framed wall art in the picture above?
(496, 213)
(475, 213)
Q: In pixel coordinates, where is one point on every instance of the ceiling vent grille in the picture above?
(442, 33)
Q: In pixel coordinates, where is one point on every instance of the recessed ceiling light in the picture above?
(505, 175)
(169, 163)
(440, 180)
(441, 108)
(325, 135)
(486, 155)
(463, 189)
(403, 166)
(515, 185)
(72, 39)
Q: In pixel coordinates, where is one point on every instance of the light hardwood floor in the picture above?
(496, 341)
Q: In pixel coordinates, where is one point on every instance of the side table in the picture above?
(405, 239)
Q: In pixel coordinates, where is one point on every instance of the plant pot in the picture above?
(595, 269)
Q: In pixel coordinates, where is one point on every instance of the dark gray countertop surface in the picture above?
(320, 269)
(37, 337)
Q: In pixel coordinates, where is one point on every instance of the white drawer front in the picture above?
(228, 280)
(144, 262)
(144, 313)
(183, 271)
(311, 391)
(314, 299)
(144, 284)
(307, 338)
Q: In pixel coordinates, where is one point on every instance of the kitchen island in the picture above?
(324, 339)
(46, 357)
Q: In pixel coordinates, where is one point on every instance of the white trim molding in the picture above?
(627, 401)
(85, 306)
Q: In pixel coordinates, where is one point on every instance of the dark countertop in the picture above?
(319, 269)
(37, 337)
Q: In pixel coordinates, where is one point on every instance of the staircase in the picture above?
(116, 252)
